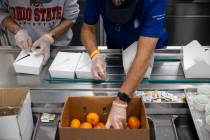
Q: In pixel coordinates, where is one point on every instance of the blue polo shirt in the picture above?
(148, 21)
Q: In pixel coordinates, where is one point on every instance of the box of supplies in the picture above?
(16, 122)
(28, 63)
(64, 65)
(128, 56)
(196, 60)
(83, 70)
(78, 107)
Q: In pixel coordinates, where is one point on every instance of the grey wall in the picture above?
(188, 20)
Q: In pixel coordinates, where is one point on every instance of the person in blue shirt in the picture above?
(125, 22)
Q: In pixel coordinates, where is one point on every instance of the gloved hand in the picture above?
(117, 116)
(43, 46)
(118, 2)
(23, 40)
(98, 68)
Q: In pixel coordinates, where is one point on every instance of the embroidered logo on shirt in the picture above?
(159, 17)
(136, 23)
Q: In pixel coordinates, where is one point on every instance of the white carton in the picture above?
(28, 65)
(128, 56)
(196, 60)
(83, 69)
(64, 65)
(17, 126)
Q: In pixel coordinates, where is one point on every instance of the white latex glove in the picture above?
(98, 68)
(117, 116)
(23, 40)
(42, 46)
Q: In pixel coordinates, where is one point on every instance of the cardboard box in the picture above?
(16, 122)
(128, 56)
(196, 60)
(78, 107)
(83, 69)
(64, 65)
(28, 65)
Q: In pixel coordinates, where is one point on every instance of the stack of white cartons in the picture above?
(196, 60)
(64, 65)
(28, 63)
(16, 122)
(83, 69)
(128, 56)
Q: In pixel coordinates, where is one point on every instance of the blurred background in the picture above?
(186, 20)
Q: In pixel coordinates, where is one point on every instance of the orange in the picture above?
(86, 125)
(92, 118)
(99, 125)
(75, 123)
(133, 122)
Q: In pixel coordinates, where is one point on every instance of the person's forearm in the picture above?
(88, 37)
(139, 66)
(135, 76)
(11, 25)
(60, 29)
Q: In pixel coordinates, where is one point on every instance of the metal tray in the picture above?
(184, 128)
(197, 116)
(45, 131)
(152, 129)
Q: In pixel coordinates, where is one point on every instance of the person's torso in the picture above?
(38, 19)
(124, 35)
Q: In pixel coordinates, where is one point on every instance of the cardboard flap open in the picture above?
(16, 116)
(12, 97)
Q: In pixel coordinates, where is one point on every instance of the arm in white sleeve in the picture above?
(71, 10)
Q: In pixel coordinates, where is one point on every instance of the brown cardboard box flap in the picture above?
(12, 97)
(16, 118)
(103, 134)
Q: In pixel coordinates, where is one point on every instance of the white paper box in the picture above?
(128, 56)
(64, 65)
(196, 61)
(83, 69)
(18, 126)
(29, 65)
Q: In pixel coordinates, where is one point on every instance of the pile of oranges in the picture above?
(93, 121)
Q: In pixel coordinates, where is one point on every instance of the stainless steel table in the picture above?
(50, 97)
(165, 70)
